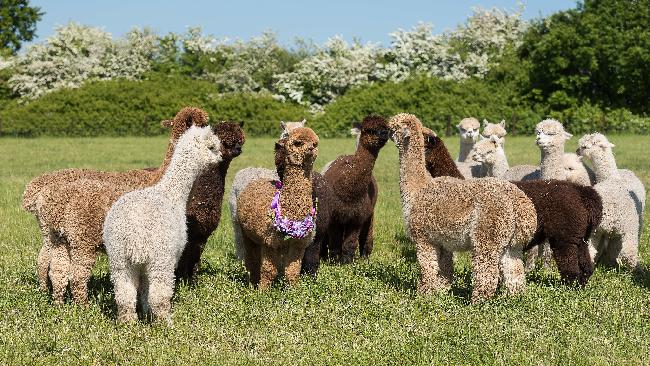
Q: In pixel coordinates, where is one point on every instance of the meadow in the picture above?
(365, 313)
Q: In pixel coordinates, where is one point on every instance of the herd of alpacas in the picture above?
(154, 223)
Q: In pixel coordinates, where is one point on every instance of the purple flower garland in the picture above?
(290, 228)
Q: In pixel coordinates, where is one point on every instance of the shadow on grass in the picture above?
(388, 274)
(407, 249)
(641, 276)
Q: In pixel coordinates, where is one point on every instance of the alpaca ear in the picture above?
(283, 125)
(485, 122)
(356, 125)
(502, 123)
(241, 124)
(167, 123)
(355, 131)
(303, 123)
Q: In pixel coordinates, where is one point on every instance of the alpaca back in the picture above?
(594, 205)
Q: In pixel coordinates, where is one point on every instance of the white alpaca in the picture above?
(616, 241)
(145, 231)
(550, 139)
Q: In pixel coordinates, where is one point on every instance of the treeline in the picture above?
(589, 67)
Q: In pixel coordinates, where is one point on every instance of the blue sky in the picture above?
(315, 20)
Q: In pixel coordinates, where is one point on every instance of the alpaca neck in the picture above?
(296, 194)
(160, 171)
(551, 165)
(466, 146)
(500, 166)
(179, 177)
(359, 176)
(439, 163)
(413, 172)
(604, 166)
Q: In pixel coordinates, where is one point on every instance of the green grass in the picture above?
(364, 313)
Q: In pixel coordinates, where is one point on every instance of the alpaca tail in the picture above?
(594, 205)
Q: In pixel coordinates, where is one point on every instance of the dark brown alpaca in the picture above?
(355, 192)
(204, 205)
(322, 196)
(567, 213)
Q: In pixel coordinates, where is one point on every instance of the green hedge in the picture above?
(123, 107)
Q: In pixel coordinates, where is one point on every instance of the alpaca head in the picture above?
(431, 141)
(495, 129)
(231, 135)
(550, 133)
(200, 143)
(290, 126)
(403, 126)
(486, 150)
(301, 147)
(593, 144)
(468, 129)
(184, 119)
(374, 132)
(573, 167)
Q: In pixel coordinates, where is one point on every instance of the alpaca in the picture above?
(204, 206)
(469, 133)
(145, 230)
(494, 222)
(322, 197)
(355, 191)
(550, 140)
(567, 213)
(616, 241)
(70, 213)
(278, 241)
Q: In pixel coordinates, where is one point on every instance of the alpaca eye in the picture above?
(297, 143)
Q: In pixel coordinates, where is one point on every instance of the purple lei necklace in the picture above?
(290, 228)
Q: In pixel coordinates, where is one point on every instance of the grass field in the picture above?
(364, 313)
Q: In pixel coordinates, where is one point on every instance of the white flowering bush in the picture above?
(77, 53)
(330, 72)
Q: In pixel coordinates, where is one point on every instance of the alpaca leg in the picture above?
(252, 259)
(546, 254)
(269, 267)
(611, 250)
(292, 265)
(125, 283)
(629, 254)
(350, 243)
(485, 271)
(512, 270)
(311, 259)
(239, 240)
(366, 237)
(436, 265)
(335, 242)
(82, 259)
(585, 262)
(43, 261)
(161, 290)
(531, 257)
(143, 295)
(324, 246)
(188, 264)
(567, 259)
(59, 271)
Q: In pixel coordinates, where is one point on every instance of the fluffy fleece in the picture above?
(567, 213)
(204, 206)
(616, 241)
(266, 251)
(145, 230)
(70, 207)
(321, 195)
(355, 193)
(494, 222)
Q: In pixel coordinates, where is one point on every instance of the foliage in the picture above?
(77, 53)
(125, 107)
(17, 24)
(364, 313)
(598, 53)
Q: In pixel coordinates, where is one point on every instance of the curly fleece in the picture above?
(145, 230)
(70, 207)
(266, 251)
(494, 222)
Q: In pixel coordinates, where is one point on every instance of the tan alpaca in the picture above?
(266, 250)
(494, 222)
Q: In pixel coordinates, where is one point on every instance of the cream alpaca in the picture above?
(616, 241)
(145, 230)
(489, 152)
(497, 130)
(494, 222)
(550, 139)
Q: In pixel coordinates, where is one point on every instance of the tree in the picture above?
(598, 53)
(17, 24)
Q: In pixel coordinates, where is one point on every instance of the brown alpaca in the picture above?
(494, 222)
(567, 213)
(266, 250)
(355, 190)
(71, 214)
(204, 205)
